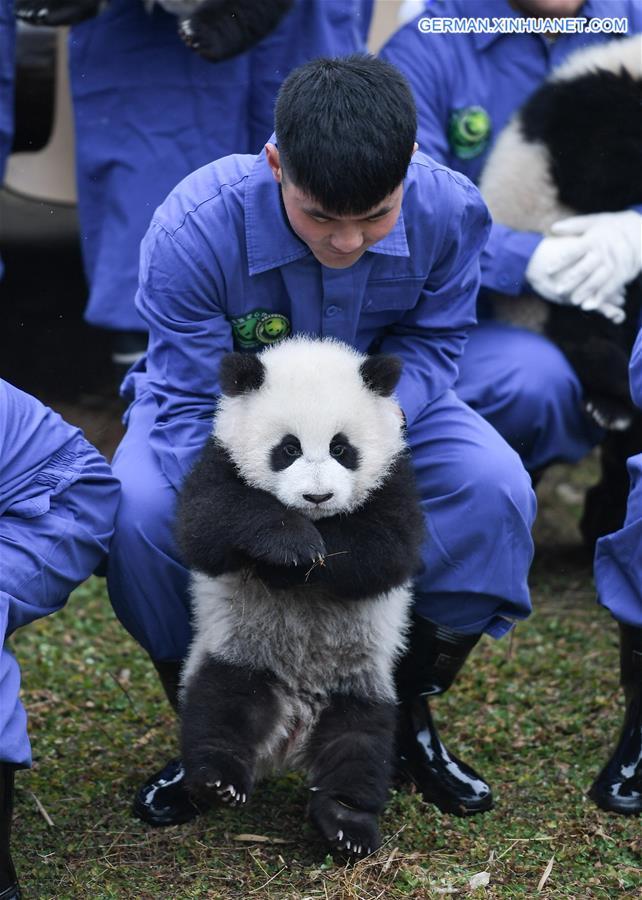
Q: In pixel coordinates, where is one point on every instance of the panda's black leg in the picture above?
(227, 712)
(350, 760)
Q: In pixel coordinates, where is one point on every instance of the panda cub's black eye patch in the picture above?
(285, 453)
(344, 452)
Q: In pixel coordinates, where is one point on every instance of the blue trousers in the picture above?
(525, 387)
(48, 545)
(479, 509)
(618, 558)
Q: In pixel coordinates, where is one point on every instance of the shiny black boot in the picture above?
(434, 657)
(618, 787)
(163, 799)
(9, 889)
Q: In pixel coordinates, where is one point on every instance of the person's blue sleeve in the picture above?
(430, 65)
(179, 300)
(431, 337)
(635, 371)
(506, 257)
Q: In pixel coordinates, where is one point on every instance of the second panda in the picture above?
(303, 528)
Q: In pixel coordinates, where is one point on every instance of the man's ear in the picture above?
(274, 162)
(415, 147)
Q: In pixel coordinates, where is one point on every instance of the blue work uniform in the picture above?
(618, 556)
(58, 500)
(221, 269)
(518, 380)
(7, 68)
(148, 111)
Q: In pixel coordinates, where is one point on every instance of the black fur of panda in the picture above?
(303, 529)
(576, 148)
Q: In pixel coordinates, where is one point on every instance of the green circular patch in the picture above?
(469, 131)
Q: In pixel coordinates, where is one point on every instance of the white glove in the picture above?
(548, 264)
(609, 248)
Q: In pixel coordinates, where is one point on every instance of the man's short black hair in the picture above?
(345, 129)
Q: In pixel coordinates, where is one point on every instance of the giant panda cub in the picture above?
(575, 148)
(302, 527)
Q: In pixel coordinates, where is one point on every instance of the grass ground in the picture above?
(537, 712)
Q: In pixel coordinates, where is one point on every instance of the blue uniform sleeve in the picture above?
(431, 336)
(430, 65)
(635, 371)
(179, 300)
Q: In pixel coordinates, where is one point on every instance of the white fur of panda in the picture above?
(303, 528)
(524, 183)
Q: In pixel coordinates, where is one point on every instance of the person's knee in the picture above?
(497, 481)
(145, 515)
(539, 384)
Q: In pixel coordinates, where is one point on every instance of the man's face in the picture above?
(559, 8)
(339, 241)
(336, 241)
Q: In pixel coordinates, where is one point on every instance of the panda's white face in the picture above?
(312, 433)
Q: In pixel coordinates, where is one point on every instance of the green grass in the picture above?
(537, 713)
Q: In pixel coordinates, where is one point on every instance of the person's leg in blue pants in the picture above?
(47, 547)
(479, 509)
(525, 387)
(618, 578)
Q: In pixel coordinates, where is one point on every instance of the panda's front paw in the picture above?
(293, 540)
(354, 832)
(206, 41)
(219, 775)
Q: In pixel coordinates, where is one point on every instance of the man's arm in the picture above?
(188, 335)
(431, 336)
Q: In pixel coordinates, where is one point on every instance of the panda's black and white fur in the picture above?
(303, 528)
(576, 148)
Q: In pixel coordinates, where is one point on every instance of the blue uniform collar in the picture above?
(270, 241)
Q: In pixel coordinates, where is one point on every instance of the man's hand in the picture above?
(588, 261)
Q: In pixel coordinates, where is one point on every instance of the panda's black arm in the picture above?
(223, 523)
(377, 547)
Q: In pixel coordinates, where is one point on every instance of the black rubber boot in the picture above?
(434, 657)
(618, 787)
(163, 799)
(169, 672)
(9, 889)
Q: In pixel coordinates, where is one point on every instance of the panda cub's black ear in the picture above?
(381, 373)
(240, 373)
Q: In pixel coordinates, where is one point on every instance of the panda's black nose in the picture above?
(317, 498)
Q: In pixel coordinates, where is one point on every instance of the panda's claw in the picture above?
(339, 835)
